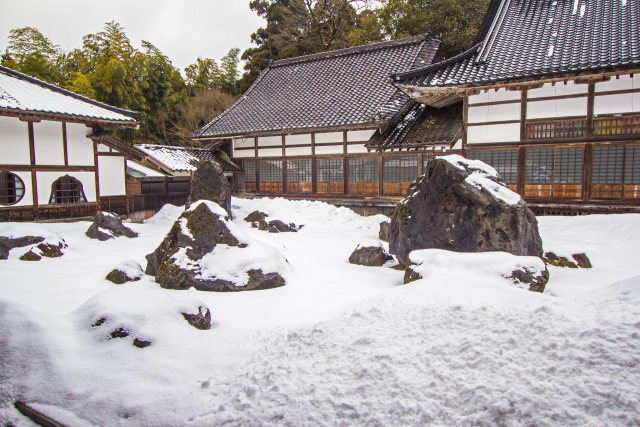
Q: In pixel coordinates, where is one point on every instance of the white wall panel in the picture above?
(557, 108)
(478, 114)
(111, 176)
(636, 102)
(611, 104)
(329, 149)
(503, 94)
(244, 142)
(239, 154)
(304, 138)
(502, 112)
(14, 141)
(103, 148)
(298, 151)
(27, 199)
(48, 143)
(481, 97)
(325, 137)
(45, 179)
(356, 148)
(264, 141)
(494, 133)
(623, 83)
(360, 135)
(558, 89)
(270, 152)
(79, 147)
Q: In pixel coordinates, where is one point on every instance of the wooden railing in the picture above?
(556, 129)
(624, 125)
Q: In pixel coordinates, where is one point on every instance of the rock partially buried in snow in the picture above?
(526, 272)
(384, 230)
(209, 183)
(107, 225)
(258, 220)
(255, 216)
(462, 205)
(129, 271)
(40, 247)
(369, 254)
(581, 260)
(205, 250)
(200, 320)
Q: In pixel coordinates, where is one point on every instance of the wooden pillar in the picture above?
(587, 170)
(65, 146)
(522, 169)
(465, 116)
(523, 115)
(314, 171)
(97, 174)
(380, 174)
(590, 101)
(34, 179)
(345, 166)
(284, 166)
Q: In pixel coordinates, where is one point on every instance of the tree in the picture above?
(200, 110)
(453, 22)
(30, 52)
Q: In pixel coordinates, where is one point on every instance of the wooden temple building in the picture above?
(549, 94)
(56, 159)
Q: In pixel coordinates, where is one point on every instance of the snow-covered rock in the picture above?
(370, 253)
(107, 225)
(207, 251)
(462, 205)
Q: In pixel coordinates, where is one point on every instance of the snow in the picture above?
(483, 177)
(176, 158)
(143, 170)
(20, 94)
(340, 344)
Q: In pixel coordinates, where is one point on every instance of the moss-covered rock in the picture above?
(410, 275)
(558, 261)
(120, 277)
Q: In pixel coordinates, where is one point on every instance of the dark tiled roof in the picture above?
(22, 93)
(533, 38)
(420, 126)
(337, 88)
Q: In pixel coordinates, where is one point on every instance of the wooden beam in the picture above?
(35, 416)
(48, 168)
(96, 173)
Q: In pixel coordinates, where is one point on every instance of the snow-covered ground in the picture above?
(338, 345)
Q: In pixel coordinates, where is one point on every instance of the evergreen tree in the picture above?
(30, 52)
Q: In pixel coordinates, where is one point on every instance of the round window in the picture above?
(11, 188)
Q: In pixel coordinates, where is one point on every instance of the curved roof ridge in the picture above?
(351, 50)
(438, 65)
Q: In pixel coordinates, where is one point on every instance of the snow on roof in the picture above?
(140, 171)
(176, 158)
(21, 92)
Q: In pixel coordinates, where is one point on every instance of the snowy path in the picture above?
(339, 345)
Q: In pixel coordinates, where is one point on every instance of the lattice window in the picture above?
(363, 170)
(249, 167)
(504, 161)
(632, 165)
(270, 170)
(567, 166)
(299, 171)
(330, 170)
(67, 190)
(616, 125)
(539, 165)
(556, 129)
(11, 188)
(400, 169)
(608, 162)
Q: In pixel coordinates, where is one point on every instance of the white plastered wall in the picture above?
(360, 135)
(618, 103)
(239, 154)
(356, 148)
(45, 179)
(111, 176)
(567, 107)
(326, 137)
(298, 151)
(48, 143)
(494, 113)
(265, 141)
(244, 142)
(269, 152)
(483, 134)
(14, 141)
(329, 149)
(298, 139)
(79, 147)
(492, 95)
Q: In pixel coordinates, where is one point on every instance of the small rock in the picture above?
(99, 322)
(558, 261)
(255, 216)
(410, 275)
(200, 320)
(119, 333)
(30, 256)
(8, 243)
(384, 228)
(141, 343)
(259, 280)
(119, 277)
(374, 256)
(275, 226)
(583, 260)
(51, 251)
(108, 225)
(537, 280)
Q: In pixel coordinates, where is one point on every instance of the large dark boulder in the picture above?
(8, 243)
(107, 225)
(209, 183)
(369, 255)
(462, 205)
(184, 258)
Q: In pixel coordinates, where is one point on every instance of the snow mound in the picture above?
(304, 212)
(167, 215)
(442, 265)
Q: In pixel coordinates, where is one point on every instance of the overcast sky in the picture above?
(182, 29)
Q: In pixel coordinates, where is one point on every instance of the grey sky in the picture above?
(182, 30)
